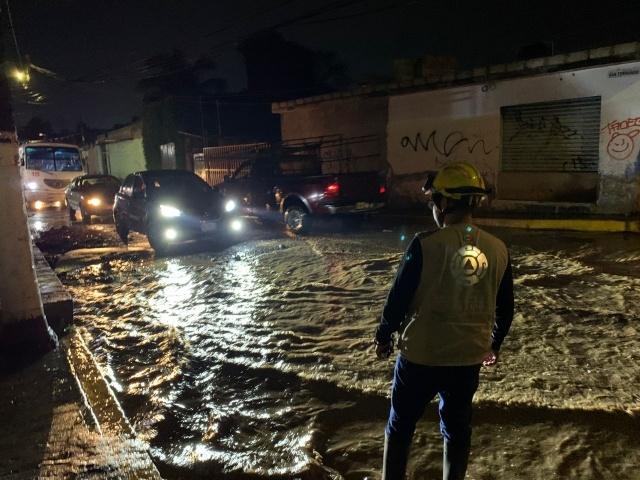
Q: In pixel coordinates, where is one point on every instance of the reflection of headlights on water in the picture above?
(38, 205)
(32, 185)
(170, 234)
(230, 206)
(94, 202)
(168, 211)
(236, 225)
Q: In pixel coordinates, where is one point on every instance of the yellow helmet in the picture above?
(456, 181)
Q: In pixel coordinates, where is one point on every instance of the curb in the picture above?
(610, 225)
(583, 225)
(102, 403)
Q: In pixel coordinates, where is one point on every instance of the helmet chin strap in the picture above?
(438, 215)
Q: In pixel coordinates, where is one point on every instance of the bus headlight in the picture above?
(94, 202)
(167, 211)
(32, 185)
(230, 206)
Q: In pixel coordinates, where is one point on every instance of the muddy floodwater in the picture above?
(254, 360)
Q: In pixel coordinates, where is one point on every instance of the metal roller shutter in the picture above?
(560, 136)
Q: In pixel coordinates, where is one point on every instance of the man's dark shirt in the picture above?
(405, 286)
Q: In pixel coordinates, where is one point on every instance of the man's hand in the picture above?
(490, 359)
(384, 350)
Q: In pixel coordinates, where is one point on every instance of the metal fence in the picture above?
(320, 155)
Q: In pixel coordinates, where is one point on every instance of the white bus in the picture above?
(47, 169)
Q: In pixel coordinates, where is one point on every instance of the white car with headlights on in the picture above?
(172, 207)
(91, 195)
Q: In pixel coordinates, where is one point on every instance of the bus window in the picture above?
(53, 159)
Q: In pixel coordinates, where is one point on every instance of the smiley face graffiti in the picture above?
(622, 144)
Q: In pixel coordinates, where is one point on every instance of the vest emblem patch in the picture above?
(468, 265)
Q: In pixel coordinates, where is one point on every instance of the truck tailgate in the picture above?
(361, 187)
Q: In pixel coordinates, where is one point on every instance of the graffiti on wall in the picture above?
(453, 141)
(622, 135)
(452, 146)
(552, 127)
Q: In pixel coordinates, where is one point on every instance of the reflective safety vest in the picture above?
(451, 317)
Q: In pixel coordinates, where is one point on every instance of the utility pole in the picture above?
(219, 125)
(204, 138)
(24, 330)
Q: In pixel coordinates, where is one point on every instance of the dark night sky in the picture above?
(105, 42)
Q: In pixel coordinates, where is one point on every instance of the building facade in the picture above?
(548, 134)
(118, 152)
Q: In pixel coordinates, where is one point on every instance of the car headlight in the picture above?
(236, 225)
(32, 185)
(170, 234)
(168, 211)
(230, 206)
(94, 202)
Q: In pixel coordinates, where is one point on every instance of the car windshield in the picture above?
(102, 181)
(53, 159)
(176, 184)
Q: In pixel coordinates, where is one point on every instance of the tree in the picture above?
(172, 74)
(282, 69)
(35, 129)
(171, 88)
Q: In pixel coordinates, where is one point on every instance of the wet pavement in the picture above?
(254, 360)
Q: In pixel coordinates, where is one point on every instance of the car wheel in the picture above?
(72, 214)
(84, 216)
(122, 229)
(159, 244)
(297, 219)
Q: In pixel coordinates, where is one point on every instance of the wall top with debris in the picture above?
(620, 53)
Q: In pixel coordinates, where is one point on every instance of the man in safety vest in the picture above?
(452, 304)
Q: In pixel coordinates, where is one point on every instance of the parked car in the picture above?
(299, 192)
(91, 195)
(171, 207)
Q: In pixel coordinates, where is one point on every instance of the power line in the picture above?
(249, 17)
(13, 32)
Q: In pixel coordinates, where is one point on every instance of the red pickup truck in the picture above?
(299, 191)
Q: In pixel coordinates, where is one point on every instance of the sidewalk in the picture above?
(47, 431)
(58, 417)
(531, 220)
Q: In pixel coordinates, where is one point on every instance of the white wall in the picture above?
(463, 124)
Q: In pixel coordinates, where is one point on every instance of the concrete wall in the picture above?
(349, 117)
(125, 157)
(429, 129)
(124, 152)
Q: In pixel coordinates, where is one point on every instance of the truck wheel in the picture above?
(297, 219)
(72, 214)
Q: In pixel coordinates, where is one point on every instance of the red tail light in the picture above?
(332, 189)
(382, 190)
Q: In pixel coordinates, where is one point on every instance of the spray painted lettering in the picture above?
(617, 125)
(452, 141)
(536, 125)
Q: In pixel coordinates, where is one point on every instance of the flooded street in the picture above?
(254, 360)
